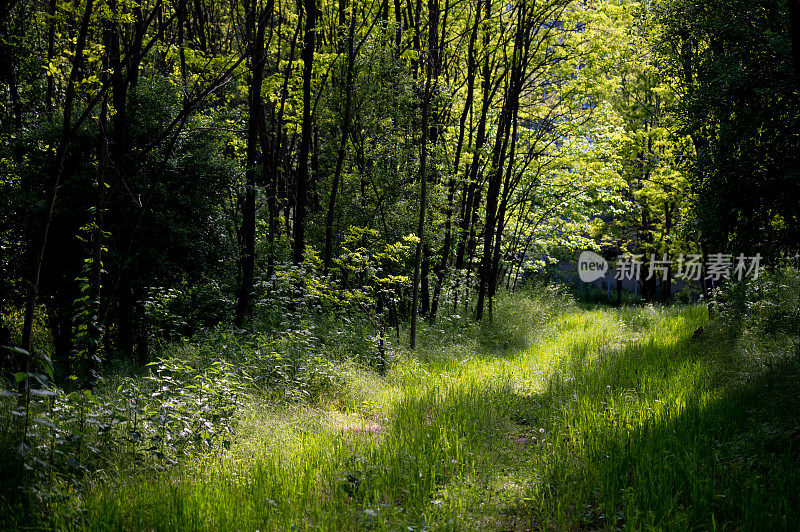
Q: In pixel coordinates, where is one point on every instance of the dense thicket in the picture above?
(737, 76)
(192, 151)
(294, 184)
(168, 166)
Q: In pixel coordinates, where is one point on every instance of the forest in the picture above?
(400, 265)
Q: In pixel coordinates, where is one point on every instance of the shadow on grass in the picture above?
(506, 434)
(647, 435)
(640, 434)
(654, 437)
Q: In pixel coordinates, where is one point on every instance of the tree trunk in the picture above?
(256, 27)
(66, 136)
(501, 214)
(493, 193)
(432, 62)
(473, 194)
(441, 269)
(305, 141)
(277, 190)
(666, 294)
(348, 87)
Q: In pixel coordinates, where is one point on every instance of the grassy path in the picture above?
(595, 419)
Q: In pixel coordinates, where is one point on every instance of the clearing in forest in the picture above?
(558, 418)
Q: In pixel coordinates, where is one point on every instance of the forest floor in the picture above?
(561, 418)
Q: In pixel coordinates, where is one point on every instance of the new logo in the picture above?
(591, 266)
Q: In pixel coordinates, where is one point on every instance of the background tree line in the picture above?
(167, 165)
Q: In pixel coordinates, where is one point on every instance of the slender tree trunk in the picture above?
(473, 193)
(66, 136)
(432, 62)
(305, 141)
(256, 29)
(421, 223)
(51, 39)
(277, 194)
(135, 58)
(398, 25)
(441, 269)
(507, 116)
(668, 210)
(340, 155)
(342, 19)
(501, 217)
(492, 199)
(472, 242)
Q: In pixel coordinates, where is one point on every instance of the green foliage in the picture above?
(736, 79)
(521, 319)
(604, 418)
(141, 424)
(759, 320)
(612, 125)
(42, 339)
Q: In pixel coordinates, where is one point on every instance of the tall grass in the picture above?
(550, 417)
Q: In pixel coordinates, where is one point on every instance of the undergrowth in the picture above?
(552, 416)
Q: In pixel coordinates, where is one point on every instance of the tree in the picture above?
(431, 73)
(735, 76)
(300, 198)
(256, 21)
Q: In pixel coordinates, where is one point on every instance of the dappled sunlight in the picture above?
(606, 418)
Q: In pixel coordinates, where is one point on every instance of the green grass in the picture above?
(553, 417)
